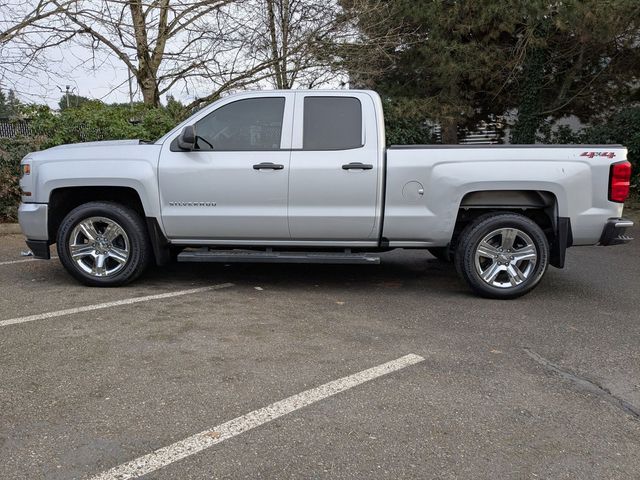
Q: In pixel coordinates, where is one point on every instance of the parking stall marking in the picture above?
(200, 441)
(99, 306)
(26, 260)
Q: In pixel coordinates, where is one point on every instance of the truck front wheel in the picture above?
(502, 255)
(103, 244)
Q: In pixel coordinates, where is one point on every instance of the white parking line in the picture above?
(128, 301)
(11, 262)
(200, 441)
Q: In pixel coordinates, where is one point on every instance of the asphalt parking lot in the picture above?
(547, 386)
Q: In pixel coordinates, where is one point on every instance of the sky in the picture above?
(106, 80)
(100, 74)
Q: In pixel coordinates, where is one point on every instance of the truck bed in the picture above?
(426, 185)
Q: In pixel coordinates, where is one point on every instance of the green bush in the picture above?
(91, 121)
(12, 151)
(94, 121)
(405, 124)
(623, 127)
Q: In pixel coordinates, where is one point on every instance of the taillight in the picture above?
(619, 181)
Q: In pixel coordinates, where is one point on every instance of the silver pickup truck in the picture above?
(304, 176)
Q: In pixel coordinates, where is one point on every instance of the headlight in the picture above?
(26, 169)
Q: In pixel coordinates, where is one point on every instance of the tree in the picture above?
(9, 104)
(577, 58)
(458, 62)
(448, 57)
(70, 100)
(13, 104)
(197, 44)
(18, 26)
(302, 39)
(294, 33)
(205, 46)
(4, 110)
(17, 18)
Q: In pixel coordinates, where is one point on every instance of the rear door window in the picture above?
(332, 123)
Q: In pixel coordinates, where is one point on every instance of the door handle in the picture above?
(357, 166)
(268, 166)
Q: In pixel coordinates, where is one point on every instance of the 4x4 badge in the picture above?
(598, 154)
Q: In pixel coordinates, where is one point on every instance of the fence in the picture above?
(10, 129)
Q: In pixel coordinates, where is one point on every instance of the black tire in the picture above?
(137, 241)
(531, 237)
(443, 254)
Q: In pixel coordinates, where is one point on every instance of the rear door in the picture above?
(335, 172)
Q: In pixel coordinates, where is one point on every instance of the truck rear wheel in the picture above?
(502, 255)
(103, 244)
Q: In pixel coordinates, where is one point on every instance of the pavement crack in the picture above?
(586, 384)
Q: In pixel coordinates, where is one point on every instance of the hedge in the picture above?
(12, 151)
(622, 128)
(91, 122)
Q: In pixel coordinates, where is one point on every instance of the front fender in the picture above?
(136, 174)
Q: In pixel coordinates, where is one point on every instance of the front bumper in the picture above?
(614, 232)
(33, 218)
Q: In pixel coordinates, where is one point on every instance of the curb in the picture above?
(9, 229)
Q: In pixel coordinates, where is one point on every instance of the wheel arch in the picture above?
(63, 200)
(541, 206)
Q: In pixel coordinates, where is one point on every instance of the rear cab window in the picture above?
(332, 123)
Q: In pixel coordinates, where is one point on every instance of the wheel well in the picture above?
(63, 200)
(540, 206)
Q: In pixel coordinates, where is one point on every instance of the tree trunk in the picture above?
(449, 130)
(277, 72)
(530, 106)
(147, 67)
(526, 128)
(149, 87)
(151, 96)
(284, 21)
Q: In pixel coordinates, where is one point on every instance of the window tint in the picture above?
(245, 125)
(332, 123)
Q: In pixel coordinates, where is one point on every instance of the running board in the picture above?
(269, 256)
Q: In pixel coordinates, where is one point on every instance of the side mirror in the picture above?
(187, 139)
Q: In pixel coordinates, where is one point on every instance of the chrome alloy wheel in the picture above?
(505, 258)
(99, 246)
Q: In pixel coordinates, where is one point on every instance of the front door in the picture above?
(233, 185)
